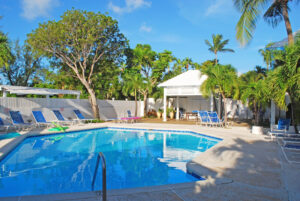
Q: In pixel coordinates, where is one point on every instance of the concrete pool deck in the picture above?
(241, 167)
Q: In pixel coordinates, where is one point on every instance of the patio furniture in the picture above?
(40, 119)
(281, 129)
(191, 115)
(61, 119)
(215, 120)
(204, 118)
(130, 117)
(18, 121)
(5, 126)
(80, 117)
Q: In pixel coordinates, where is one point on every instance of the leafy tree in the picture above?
(81, 40)
(132, 85)
(221, 79)
(218, 45)
(5, 54)
(254, 91)
(277, 10)
(285, 79)
(23, 69)
(267, 55)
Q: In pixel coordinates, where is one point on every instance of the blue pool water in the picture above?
(65, 163)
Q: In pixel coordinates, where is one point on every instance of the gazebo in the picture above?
(186, 85)
(21, 90)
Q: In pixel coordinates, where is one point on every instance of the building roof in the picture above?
(284, 42)
(20, 90)
(186, 79)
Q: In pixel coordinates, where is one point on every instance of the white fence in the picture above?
(108, 108)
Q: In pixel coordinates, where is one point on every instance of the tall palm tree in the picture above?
(221, 79)
(132, 84)
(5, 53)
(285, 79)
(218, 45)
(277, 10)
(267, 55)
(253, 91)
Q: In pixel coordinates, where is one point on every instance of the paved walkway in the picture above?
(241, 167)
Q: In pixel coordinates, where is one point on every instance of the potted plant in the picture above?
(171, 112)
(255, 93)
(159, 113)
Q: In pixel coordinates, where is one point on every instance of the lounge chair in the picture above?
(40, 119)
(18, 121)
(204, 118)
(215, 120)
(130, 118)
(6, 126)
(61, 119)
(80, 117)
(282, 129)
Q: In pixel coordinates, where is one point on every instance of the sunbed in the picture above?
(204, 118)
(61, 119)
(18, 121)
(80, 117)
(215, 120)
(282, 129)
(40, 119)
(130, 118)
(6, 126)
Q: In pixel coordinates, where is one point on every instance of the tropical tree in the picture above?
(132, 85)
(276, 11)
(5, 54)
(221, 80)
(81, 40)
(23, 69)
(218, 45)
(267, 55)
(285, 79)
(254, 91)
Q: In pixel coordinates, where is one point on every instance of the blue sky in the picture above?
(180, 26)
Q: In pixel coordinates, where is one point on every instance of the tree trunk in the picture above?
(135, 99)
(287, 22)
(225, 109)
(93, 100)
(216, 62)
(294, 115)
(145, 104)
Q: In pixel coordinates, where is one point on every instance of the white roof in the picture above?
(186, 79)
(20, 90)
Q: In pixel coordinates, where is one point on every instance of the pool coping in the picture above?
(63, 196)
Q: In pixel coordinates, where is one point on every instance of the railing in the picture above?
(100, 156)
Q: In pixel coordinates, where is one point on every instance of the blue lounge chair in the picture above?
(204, 118)
(215, 120)
(282, 129)
(80, 116)
(40, 119)
(5, 126)
(18, 120)
(61, 119)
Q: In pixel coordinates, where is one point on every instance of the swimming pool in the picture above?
(65, 163)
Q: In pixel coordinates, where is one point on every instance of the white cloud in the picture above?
(130, 5)
(37, 8)
(217, 7)
(145, 28)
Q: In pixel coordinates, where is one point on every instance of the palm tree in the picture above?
(221, 79)
(5, 53)
(132, 84)
(254, 91)
(251, 11)
(218, 45)
(267, 55)
(285, 79)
